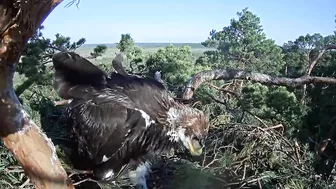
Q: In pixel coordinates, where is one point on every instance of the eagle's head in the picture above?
(188, 126)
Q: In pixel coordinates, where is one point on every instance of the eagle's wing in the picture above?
(102, 126)
(103, 112)
(72, 70)
(103, 119)
(147, 94)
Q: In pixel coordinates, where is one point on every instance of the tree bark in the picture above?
(29, 145)
(228, 74)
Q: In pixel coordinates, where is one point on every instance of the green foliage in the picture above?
(11, 174)
(297, 53)
(260, 135)
(37, 55)
(35, 61)
(244, 45)
(175, 63)
(274, 104)
(126, 43)
(98, 51)
(135, 56)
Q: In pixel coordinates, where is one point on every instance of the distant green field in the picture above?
(196, 48)
(151, 45)
(85, 50)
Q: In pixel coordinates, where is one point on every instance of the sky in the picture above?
(185, 21)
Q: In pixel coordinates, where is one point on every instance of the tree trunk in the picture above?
(29, 145)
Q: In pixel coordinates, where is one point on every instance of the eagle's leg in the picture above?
(138, 176)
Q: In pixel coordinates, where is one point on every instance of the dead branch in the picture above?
(229, 74)
(85, 180)
(29, 145)
(225, 90)
(61, 102)
(25, 183)
(314, 56)
(238, 98)
(274, 127)
(297, 151)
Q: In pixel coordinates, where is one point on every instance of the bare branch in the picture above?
(62, 102)
(72, 2)
(25, 183)
(313, 58)
(238, 98)
(229, 74)
(225, 90)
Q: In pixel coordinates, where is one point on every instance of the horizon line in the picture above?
(145, 42)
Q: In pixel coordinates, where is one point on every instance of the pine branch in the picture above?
(229, 74)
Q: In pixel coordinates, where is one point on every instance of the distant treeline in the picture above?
(150, 45)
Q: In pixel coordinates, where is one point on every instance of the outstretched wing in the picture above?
(101, 115)
(71, 70)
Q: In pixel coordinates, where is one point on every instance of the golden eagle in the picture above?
(118, 118)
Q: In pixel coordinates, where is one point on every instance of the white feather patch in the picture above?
(109, 174)
(105, 158)
(173, 136)
(147, 118)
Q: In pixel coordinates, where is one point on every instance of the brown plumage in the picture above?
(119, 118)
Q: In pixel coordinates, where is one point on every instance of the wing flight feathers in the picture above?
(72, 70)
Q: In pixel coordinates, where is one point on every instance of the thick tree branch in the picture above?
(30, 146)
(229, 74)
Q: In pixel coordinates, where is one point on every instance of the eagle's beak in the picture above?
(195, 147)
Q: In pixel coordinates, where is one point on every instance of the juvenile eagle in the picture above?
(117, 119)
